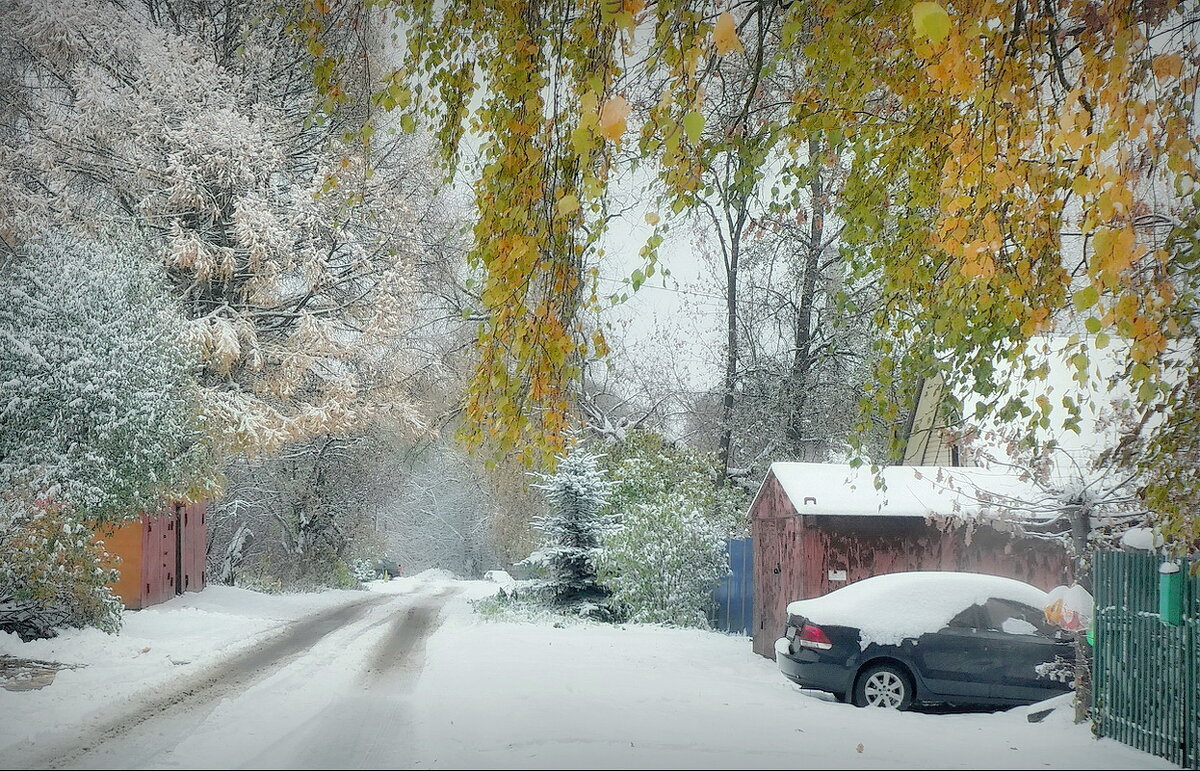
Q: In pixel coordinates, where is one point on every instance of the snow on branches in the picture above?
(573, 529)
(288, 252)
(96, 407)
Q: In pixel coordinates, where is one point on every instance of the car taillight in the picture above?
(814, 637)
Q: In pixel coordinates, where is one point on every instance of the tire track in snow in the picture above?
(404, 648)
(371, 726)
(227, 677)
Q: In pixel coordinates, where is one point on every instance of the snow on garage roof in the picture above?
(836, 489)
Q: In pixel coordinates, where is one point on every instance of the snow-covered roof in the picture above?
(894, 606)
(836, 489)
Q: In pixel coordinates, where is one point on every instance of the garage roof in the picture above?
(834, 489)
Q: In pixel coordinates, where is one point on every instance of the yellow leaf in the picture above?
(652, 218)
(931, 20)
(612, 117)
(568, 205)
(1167, 66)
(725, 36)
(599, 344)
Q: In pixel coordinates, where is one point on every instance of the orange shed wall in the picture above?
(146, 549)
(125, 542)
(195, 546)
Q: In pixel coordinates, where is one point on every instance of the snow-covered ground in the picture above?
(409, 676)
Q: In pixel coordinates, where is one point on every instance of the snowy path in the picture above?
(326, 682)
(411, 677)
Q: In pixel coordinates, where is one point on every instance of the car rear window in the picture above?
(1015, 618)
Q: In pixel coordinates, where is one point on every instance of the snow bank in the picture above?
(501, 577)
(891, 607)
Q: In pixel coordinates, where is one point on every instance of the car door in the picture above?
(1020, 642)
(949, 660)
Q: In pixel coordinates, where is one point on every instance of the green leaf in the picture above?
(407, 124)
(693, 124)
(638, 278)
(1092, 325)
(931, 21)
(1086, 298)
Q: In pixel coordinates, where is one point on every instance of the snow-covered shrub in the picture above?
(363, 570)
(96, 411)
(51, 573)
(668, 552)
(572, 529)
(664, 561)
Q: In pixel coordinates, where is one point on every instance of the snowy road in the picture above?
(327, 690)
(411, 677)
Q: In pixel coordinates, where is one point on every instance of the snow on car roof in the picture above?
(837, 489)
(894, 606)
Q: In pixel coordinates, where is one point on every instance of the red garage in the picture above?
(820, 526)
(160, 555)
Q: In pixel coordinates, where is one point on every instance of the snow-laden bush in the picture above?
(95, 422)
(668, 551)
(95, 412)
(363, 570)
(664, 561)
(645, 467)
(572, 529)
(51, 573)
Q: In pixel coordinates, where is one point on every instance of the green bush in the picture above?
(664, 561)
(52, 573)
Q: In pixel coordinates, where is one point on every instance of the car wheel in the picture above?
(884, 685)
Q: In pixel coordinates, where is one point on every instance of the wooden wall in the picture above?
(156, 552)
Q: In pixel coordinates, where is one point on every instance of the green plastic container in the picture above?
(1170, 593)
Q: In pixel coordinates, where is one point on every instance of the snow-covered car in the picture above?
(927, 637)
(387, 567)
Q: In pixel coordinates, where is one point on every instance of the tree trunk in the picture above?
(802, 358)
(731, 361)
(1080, 517)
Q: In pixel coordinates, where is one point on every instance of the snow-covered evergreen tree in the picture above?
(664, 561)
(573, 528)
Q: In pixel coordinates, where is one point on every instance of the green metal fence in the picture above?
(1147, 672)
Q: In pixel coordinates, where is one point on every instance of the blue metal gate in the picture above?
(733, 599)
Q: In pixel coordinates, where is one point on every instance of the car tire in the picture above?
(884, 685)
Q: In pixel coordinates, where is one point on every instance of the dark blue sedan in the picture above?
(929, 638)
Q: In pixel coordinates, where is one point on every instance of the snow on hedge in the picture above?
(891, 607)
